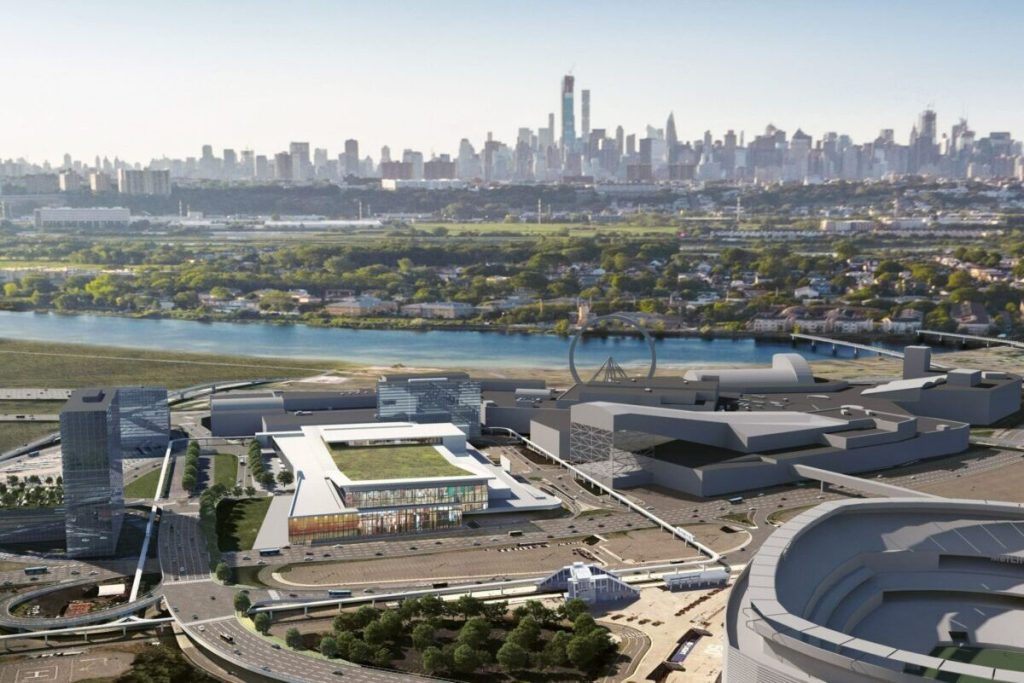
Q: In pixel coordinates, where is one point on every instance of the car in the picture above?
(246, 557)
(181, 570)
(338, 672)
(292, 595)
(213, 597)
(75, 572)
(202, 628)
(307, 559)
(265, 668)
(327, 554)
(309, 552)
(276, 646)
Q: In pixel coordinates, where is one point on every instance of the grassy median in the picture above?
(238, 522)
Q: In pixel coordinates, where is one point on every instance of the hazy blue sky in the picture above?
(141, 79)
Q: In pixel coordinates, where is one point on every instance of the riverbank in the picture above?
(399, 324)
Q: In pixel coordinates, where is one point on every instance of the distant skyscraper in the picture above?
(568, 114)
(585, 112)
(385, 154)
(301, 165)
(283, 166)
(351, 157)
(90, 431)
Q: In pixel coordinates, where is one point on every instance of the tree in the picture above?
(360, 652)
(262, 622)
(422, 636)
(365, 615)
(223, 572)
(344, 641)
(469, 606)
(465, 659)
(554, 650)
(242, 602)
(573, 608)
(267, 479)
(434, 660)
(162, 665)
(392, 624)
(250, 491)
(329, 646)
(431, 606)
(583, 624)
(293, 638)
(525, 634)
(285, 477)
(512, 657)
(375, 633)
(474, 633)
(382, 657)
(586, 651)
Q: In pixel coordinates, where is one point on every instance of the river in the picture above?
(439, 348)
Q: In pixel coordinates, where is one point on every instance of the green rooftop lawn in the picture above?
(393, 462)
(1000, 659)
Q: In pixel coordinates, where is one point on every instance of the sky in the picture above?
(141, 80)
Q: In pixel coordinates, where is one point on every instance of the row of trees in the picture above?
(257, 469)
(190, 475)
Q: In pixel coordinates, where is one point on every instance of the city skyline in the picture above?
(425, 79)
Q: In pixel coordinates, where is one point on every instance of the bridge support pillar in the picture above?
(814, 345)
(305, 611)
(856, 352)
(835, 349)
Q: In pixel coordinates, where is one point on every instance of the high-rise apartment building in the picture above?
(585, 113)
(568, 114)
(283, 166)
(143, 182)
(90, 431)
(351, 157)
(301, 165)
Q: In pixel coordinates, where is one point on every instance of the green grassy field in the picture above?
(393, 462)
(783, 516)
(46, 364)
(238, 522)
(30, 407)
(14, 434)
(144, 486)
(1000, 659)
(225, 468)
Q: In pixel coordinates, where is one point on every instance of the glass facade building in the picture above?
(145, 420)
(353, 524)
(468, 497)
(90, 431)
(453, 398)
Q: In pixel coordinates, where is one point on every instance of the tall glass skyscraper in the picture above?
(90, 435)
(145, 420)
(568, 115)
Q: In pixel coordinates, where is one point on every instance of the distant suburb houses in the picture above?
(970, 318)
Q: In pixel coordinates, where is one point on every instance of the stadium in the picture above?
(899, 589)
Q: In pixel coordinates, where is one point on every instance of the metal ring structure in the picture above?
(622, 319)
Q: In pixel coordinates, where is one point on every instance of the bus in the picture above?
(736, 500)
(268, 552)
(339, 593)
(35, 571)
(515, 532)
